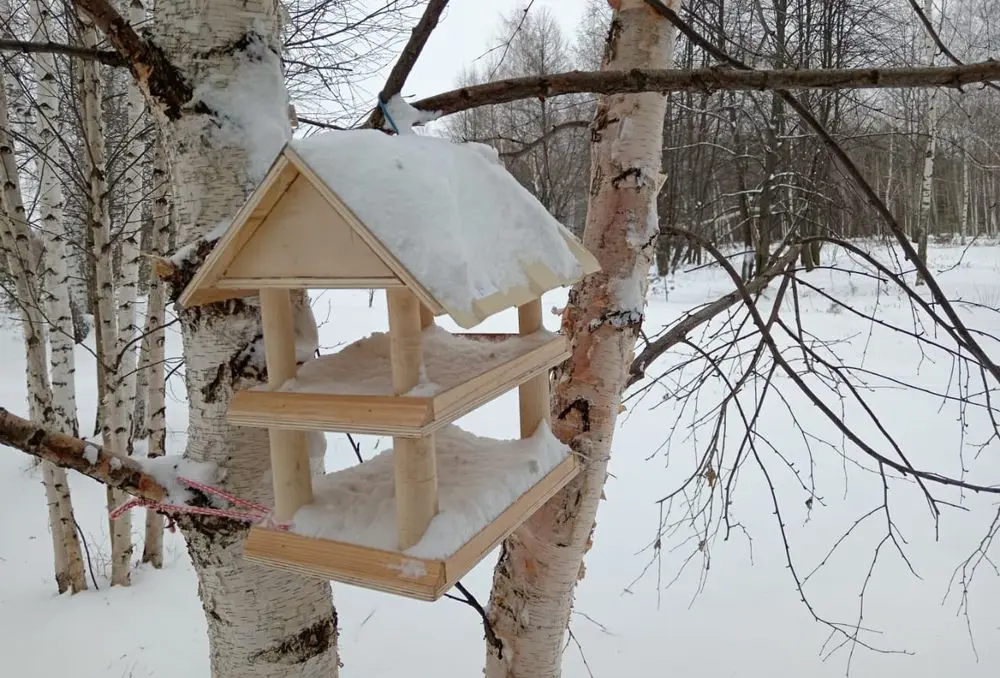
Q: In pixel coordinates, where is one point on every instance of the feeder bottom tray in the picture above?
(477, 478)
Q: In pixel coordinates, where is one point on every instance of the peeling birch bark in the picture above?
(542, 561)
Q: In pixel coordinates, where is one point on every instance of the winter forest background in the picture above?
(758, 518)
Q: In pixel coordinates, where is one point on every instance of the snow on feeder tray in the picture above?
(444, 229)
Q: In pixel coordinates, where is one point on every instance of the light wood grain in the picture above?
(414, 459)
(399, 416)
(289, 449)
(395, 572)
(532, 395)
(246, 222)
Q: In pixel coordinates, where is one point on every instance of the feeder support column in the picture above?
(533, 395)
(289, 449)
(414, 459)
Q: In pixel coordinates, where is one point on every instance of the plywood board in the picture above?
(303, 238)
(402, 416)
(393, 572)
(201, 289)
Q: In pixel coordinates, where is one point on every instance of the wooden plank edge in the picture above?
(421, 592)
(260, 409)
(381, 574)
(310, 283)
(476, 549)
(327, 425)
(446, 410)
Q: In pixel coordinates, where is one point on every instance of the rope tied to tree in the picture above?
(251, 512)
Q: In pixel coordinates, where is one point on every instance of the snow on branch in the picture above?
(80, 455)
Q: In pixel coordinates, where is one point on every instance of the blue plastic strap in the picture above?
(388, 116)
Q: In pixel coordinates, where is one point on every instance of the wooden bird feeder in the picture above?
(298, 230)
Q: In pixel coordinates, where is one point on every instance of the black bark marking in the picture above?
(582, 406)
(36, 438)
(299, 648)
(210, 391)
(618, 180)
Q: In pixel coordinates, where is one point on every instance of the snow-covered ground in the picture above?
(743, 618)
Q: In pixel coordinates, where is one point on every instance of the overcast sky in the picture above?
(467, 30)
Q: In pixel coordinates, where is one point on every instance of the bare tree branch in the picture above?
(79, 455)
(705, 80)
(678, 332)
(408, 57)
(556, 129)
(22, 47)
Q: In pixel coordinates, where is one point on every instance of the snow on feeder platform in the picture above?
(444, 229)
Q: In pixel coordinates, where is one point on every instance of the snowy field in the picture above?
(742, 618)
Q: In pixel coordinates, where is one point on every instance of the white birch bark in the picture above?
(542, 561)
(114, 435)
(927, 177)
(127, 278)
(262, 622)
(963, 217)
(60, 334)
(16, 240)
(155, 426)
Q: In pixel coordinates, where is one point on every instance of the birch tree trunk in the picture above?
(155, 425)
(924, 216)
(127, 282)
(56, 287)
(16, 240)
(541, 563)
(114, 435)
(963, 216)
(262, 622)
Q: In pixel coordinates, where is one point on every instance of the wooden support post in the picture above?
(533, 395)
(414, 458)
(289, 449)
(426, 317)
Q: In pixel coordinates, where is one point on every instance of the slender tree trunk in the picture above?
(16, 241)
(963, 216)
(924, 215)
(127, 278)
(155, 425)
(541, 563)
(113, 432)
(262, 622)
(56, 287)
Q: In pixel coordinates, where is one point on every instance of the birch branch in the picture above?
(80, 455)
(408, 57)
(706, 80)
(150, 66)
(20, 46)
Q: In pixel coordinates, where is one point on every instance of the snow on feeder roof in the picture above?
(361, 209)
